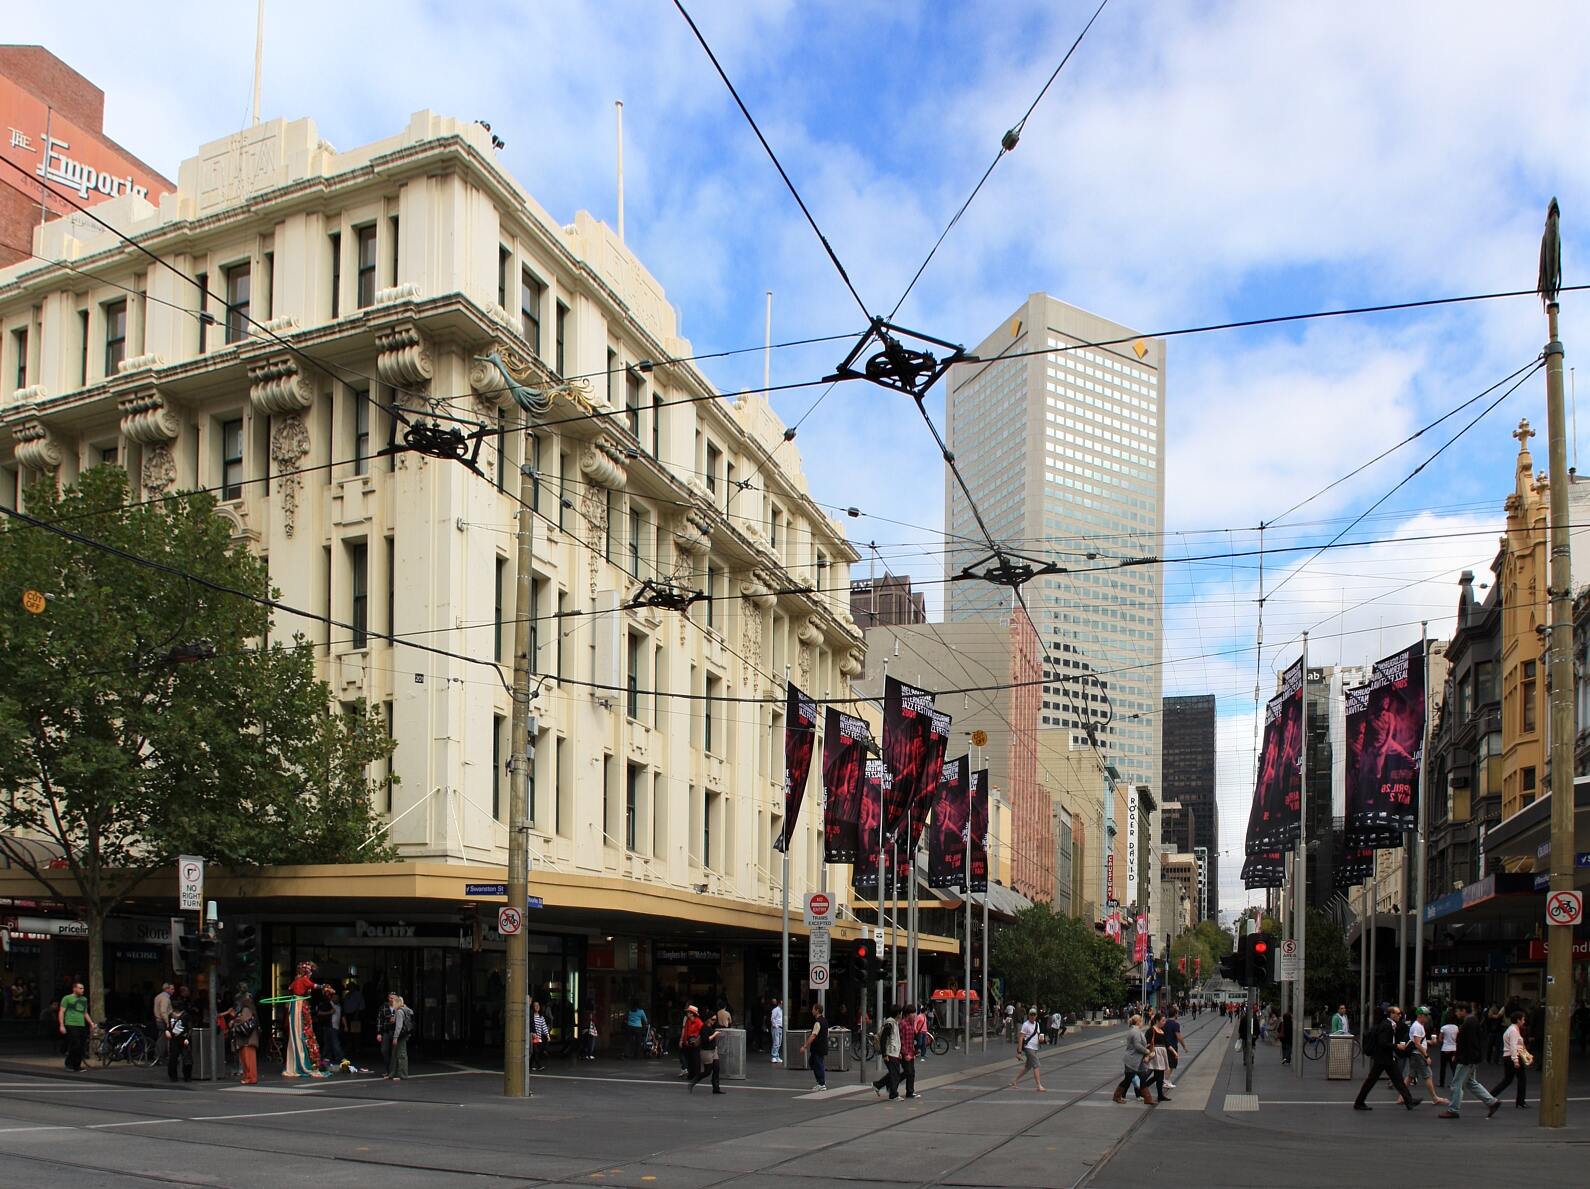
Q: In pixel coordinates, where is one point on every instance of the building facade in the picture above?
(1187, 772)
(352, 296)
(54, 144)
(886, 602)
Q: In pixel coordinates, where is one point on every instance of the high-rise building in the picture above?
(1060, 437)
(1187, 768)
(885, 602)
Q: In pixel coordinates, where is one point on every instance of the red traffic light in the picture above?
(862, 951)
(1261, 947)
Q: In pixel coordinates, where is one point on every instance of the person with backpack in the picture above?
(888, 1041)
(179, 1038)
(1466, 1076)
(243, 1035)
(1380, 1047)
(400, 1026)
(816, 1047)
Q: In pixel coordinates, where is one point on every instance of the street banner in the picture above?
(874, 795)
(907, 725)
(1276, 819)
(1112, 927)
(1267, 870)
(1389, 751)
(845, 740)
(1140, 940)
(979, 830)
(1181, 964)
(927, 793)
(1198, 967)
(1354, 865)
(864, 872)
(800, 738)
(946, 840)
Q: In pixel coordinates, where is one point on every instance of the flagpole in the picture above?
(783, 966)
(877, 895)
(1300, 1005)
(822, 863)
(966, 897)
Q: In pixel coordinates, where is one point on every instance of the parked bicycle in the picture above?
(125, 1042)
(1314, 1044)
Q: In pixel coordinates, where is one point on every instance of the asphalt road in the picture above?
(636, 1125)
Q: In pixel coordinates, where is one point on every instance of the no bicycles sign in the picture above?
(1565, 908)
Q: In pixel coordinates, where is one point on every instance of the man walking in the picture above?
(75, 1024)
(1031, 1037)
(162, 1018)
(1380, 1046)
(775, 1020)
(1466, 1077)
(816, 1047)
(1419, 1055)
(889, 1047)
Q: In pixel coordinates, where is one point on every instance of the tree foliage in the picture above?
(144, 715)
(1057, 960)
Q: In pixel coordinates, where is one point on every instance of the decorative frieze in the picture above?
(289, 445)
(139, 363)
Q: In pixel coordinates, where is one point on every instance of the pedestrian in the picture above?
(1494, 1026)
(328, 1026)
(1175, 1043)
(75, 1023)
(634, 1030)
(243, 1035)
(1516, 1060)
(540, 1036)
(711, 1030)
(1400, 1019)
(776, 1025)
(816, 1047)
(400, 1026)
(302, 1058)
(1136, 1051)
(162, 1009)
(1339, 1020)
(1010, 1021)
(690, 1044)
(1419, 1055)
(353, 1016)
(590, 1035)
(889, 1048)
(1057, 1025)
(1380, 1046)
(922, 1039)
(1286, 1038)
(383, 1033)
(1449, 1034)
(908, 1052)
(1465, 1077)
(179, 1037)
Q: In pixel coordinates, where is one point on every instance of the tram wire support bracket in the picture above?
(894, 365)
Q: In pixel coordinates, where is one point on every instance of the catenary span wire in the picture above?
(772, 156)
(1390, 450)
(1411, 475)
(1007, 144)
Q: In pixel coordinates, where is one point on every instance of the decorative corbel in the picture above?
(146, 418)
(603, 462)
(692, 531)
(403, 358)
(36, 447)
(278, 385)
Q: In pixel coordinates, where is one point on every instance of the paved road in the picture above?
(635, 1125)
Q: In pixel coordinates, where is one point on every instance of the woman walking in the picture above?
(690, 1045)
(400, 1026)
(1516, 1060)
(710, 1031)
(1136, 1052)
(244, 1036)
(1157, 1060)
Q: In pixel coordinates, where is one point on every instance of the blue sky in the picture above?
(1195, 163)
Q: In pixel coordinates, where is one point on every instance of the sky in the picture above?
(1193, 164)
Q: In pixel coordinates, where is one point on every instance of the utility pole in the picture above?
(516, 1037)
(1300, 1006)
(1559, 953)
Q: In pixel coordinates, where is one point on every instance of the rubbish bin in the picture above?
(731, 1054)
(794, 1038)
(838, 1050)
(204, 1039)
(1339, 1057)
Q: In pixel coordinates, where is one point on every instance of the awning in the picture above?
(1521, 836)
(1497, 897)
(958, 995)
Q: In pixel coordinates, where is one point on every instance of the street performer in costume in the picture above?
(303, 1053)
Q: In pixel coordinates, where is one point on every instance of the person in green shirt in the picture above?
(1339, 1021)
(75, 1024)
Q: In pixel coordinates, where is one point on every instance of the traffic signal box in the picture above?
(1253, 962)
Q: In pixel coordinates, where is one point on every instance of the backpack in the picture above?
(242, 1028)
(402, 1021)
(882, 1039)
(1372, 1042)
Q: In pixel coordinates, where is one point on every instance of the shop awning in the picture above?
(1522, 835)
(1498, 897)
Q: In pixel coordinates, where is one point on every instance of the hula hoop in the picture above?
(274, 999)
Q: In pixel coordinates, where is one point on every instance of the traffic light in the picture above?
(1231, 967)
(245, 950)
(194, 952)
(860, 962)
(1258, 955)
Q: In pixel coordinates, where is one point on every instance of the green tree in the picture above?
(144, 715)
(1329, 981)
(1050, 958)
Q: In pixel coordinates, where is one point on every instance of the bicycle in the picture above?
(855, 1047)
(1314, 1044)
(125, 1042)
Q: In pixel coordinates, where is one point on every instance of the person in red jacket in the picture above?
(690, 1044)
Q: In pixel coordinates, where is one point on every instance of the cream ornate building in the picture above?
(390, 269)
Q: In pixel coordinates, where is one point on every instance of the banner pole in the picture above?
(1300, 1007)
(783, 965)
(985, 968)
(822, 864)
(966, 898)
(1418, 825)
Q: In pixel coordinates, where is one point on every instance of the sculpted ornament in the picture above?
(160, 469)
(36, 447)
(289, 445)
(146, 418)
(278, 386)
(403, 358)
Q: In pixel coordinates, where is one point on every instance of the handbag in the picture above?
(1525, 1058)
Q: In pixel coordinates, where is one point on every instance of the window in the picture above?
(565, 465)
(632, 674)
(612, 521)
(612, 370)
(391, 586)
(656, 424)
(631, 804)
(538, 590)
(238, 289)
(504, 271)
(115, 335)
(335, 239)
(270, 285)
(361, 433)
(359, 585)
(708, 714)
(560, 330)
(712, 595)
(531, 291)
(535, 471)
(632, 395)
(364, 244)
(502, 449)
(636, 525)
(232, 459)
(1528, 780)
(714, 801)
(19, 344)
(563, 634)
(499, 769)
(396, 239)
(1527, 694)
(501, 598)
(608, 823)
(108, 455)
(82, 330)
(714, 461)
(204, 319)
(563, 808)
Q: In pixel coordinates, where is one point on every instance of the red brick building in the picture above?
(52, 140)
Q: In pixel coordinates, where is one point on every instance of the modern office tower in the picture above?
(1187, 768)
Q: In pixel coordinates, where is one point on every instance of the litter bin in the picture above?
(731, 1054)
(204, 1039)
(794, 1038)
(838, 1050)
(1339, 1057)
